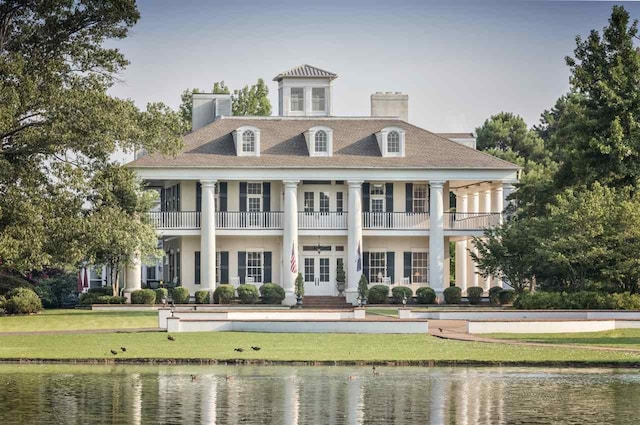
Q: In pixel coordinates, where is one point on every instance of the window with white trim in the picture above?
(324, 202)
(308, 202)
(254, 197)
(318, 99)
(377, 197)
(339, 202)
(248, 141)
(321, 141)
(297, 99)
(393, 142)
(420, 267)
(255, 266)
(420, 198)
(377, 266)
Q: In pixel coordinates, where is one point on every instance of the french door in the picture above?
(318, 276)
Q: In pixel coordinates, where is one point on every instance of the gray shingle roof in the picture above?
(456, 135)
(354, 146)
(306, 71)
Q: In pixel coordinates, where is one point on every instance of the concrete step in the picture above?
(325, 302)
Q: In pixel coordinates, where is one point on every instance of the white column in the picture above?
(436, 237)
(354, 241)
(497, 206)
(208, 236)
(133, 276)
(462, 206)
(486, 200)
(472, 275)
(290, 240)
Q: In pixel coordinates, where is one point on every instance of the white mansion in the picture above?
(259, 199)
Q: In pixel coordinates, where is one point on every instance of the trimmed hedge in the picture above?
(507, 296)
(249, 294)
(180, 295)
(22, 301)
(378, 294)
(474, 294)
(202, 297)
(584, 300)
(272, 293)
(452, 295)
(143, 296)
(494, 294)
(425, 295)
(224, 294)
(110, 299)
(399, 292)
(160, 294)
(101, 290)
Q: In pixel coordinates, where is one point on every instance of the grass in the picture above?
(57, 320)
(382, 311)
(623, 338)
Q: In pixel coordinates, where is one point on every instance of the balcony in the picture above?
(267, 220)
(395, 220)
(471, 221)
(316, 220)
(175, 220)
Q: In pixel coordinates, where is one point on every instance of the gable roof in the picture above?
(283, 145)
(306, 71)
(456, 135)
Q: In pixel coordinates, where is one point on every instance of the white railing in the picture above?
(174, 219)
(395, 220)
(322, 220)
(249, 220)
(471, 221)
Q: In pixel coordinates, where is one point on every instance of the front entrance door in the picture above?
(318, 276)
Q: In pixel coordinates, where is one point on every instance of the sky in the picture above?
(459, 61)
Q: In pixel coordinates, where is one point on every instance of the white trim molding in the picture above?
(310, 137)
(238, 135)
(383, 141)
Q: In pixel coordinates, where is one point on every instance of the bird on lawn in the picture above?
(170, 338)
(255, 348)
(228, 378)
(351, 377)
(114, 352)
(123, 349)
(239, 350)
(440, 329)
(194, 378)
(375, 372)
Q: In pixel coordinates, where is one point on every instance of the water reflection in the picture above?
(314, 395)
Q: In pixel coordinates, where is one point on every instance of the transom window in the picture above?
(420, 199)
(297, 99)
(377, 266)
(248, 141)
(393, 142)
(317, 99)
(321, 141)
(420, 267)
(254, 266)
(377, 189)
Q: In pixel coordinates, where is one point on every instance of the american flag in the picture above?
(294, 266)
(358, 259)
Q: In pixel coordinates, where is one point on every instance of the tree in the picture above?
(252, 100)
(58, 124)
(186, 106)
(508, 132)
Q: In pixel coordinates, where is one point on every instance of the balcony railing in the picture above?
(322, 220)
(470, 221)
(175, 219)
(267, 220)
(395, 220)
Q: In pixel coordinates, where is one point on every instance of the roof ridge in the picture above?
(305, 71)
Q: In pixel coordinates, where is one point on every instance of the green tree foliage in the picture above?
(508, 132)
(58, 124)
(252, 100)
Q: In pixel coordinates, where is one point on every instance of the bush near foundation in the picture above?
(143, 296)
(583, 300)
(507, 296)
(378, 294)
(452, 295)
(180, 295)
(272, 293)
(101, 290)
(109, 299)
(399, 292)
(248, 293)
(425, 295)
(202, 297)
(494, 294)
(474, 294)
(22, 301)
(161, 293)
(224, 294)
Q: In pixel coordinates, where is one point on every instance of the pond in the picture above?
(98, 394)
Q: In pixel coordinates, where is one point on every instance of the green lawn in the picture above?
(625, 338)
(382, 311)
(56, 320)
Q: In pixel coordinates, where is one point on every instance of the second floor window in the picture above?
(308, 202)
(377, 198)
(297, 99)
(339, 202)
(254, 197)
(324, 202)
(321, 141)
(420, 199)
(248, 141)
(393, 142)
(317, 99)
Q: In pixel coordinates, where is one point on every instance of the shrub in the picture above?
(494, 294)
(224, 294)
(507, 296)
(143, 296)
(160, 294)
(2, 301)
(299, 286)
(110, 299)
(379, 294)
(9, 282)
(399, 292)
(22, 301)
(363, 287)
(272, 293)
(180, 295)
(249, 294)
(474, 294)
(625, 301)
(426, 295)
(203, 297)
(452, 295)
(101, 290)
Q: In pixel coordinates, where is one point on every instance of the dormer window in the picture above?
(319, 141)
(391, 141)
(247, 141)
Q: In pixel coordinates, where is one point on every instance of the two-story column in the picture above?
(436, 237)
(462, 206)
(497, 206)
(355, 254)
(290, 258)
(208, 236)
(472, 270)
(486, 208)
